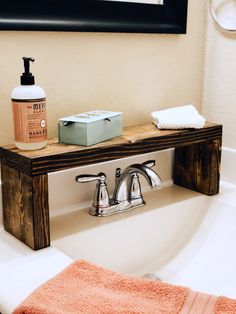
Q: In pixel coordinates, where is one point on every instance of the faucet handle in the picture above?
(149, 163)
(101, 199)
(135, 195)
(84, 178)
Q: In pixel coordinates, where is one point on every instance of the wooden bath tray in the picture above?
(25, 180)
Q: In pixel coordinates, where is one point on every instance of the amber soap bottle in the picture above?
(29, 112)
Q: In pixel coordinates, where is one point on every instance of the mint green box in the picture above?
(89, 128)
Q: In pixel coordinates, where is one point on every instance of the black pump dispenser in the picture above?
(27, 78)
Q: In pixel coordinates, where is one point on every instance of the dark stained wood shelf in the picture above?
(25, 180)
(135, 140)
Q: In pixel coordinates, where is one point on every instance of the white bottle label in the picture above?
(30, 120)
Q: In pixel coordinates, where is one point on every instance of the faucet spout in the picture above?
(122, 189)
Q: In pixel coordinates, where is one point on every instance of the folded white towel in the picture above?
(178, 118)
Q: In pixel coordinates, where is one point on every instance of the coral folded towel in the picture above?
(178, 118)
(86, 288)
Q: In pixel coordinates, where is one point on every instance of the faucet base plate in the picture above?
(119, 208)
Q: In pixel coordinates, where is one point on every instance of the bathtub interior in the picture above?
(136, 242)
(207, 262)
(184, 237)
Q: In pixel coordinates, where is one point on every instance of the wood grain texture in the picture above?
(135, 140)
(197, 166)
(25, 207)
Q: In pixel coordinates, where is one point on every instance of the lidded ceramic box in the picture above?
(89, 128)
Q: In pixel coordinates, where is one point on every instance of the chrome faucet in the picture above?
(127, 193)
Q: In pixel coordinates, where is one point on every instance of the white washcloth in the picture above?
(178, 118)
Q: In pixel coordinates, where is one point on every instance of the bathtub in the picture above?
(182, 236)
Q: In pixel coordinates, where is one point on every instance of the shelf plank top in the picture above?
(139, 139)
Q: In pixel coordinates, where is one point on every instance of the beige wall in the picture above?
(133, 73)
(219, 97)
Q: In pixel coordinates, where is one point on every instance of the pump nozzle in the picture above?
(27, 78)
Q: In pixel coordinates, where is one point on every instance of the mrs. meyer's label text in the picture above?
(30, 120)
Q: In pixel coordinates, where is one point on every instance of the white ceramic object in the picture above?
(182, 236)
(135, 242)
(207, 262)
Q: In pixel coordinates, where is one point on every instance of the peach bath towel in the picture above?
(86, 288)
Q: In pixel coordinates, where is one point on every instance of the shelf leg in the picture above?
(25, 207)
(197, 166)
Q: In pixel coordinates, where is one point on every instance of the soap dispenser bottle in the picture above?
(29, 112)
